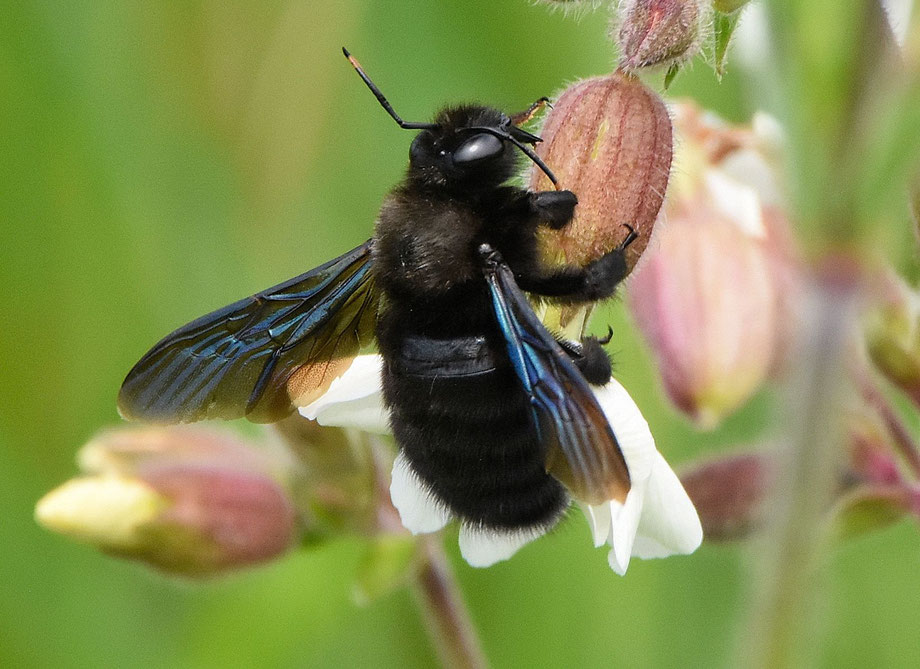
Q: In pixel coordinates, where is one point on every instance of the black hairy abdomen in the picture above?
(460, 417)
(457, 409)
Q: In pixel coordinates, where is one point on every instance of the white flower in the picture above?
(656, 520)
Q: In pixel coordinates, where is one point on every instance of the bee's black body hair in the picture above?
(486, 406)
(456, 406)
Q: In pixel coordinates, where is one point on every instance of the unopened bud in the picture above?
(705, 301)
(715, 295)
(871, 457)
(729, 493)
(658, 32)
(608, 139)
(874, 507)
(199, 513)
(107, 511)
(574, 8)
(569, 3)
(893, 337)
(128, 451)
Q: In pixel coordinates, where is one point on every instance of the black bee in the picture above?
(492, 413)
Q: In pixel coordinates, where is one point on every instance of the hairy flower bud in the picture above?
(128, 451)
(715, 296)
(729, 493)
(569, 3)
(657, 32)
(194, 512)
(728, 6)
(574, 8)
(608, 139)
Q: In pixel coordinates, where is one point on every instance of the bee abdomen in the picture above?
(471, 440)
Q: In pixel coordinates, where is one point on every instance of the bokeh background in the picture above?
(158, 160)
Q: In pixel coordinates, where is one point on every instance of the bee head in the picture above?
(466, 147)
(469, 147)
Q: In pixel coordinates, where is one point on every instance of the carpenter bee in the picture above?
(493, 415)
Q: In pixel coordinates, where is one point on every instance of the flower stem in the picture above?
(444, 612)
(782, 617)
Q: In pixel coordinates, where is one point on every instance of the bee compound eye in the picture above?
(478, 148)
(416, 149)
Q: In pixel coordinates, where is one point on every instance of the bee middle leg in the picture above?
(590, 357)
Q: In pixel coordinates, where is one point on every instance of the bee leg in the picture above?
(597, 280)
(590, 358)
(522, 117)
(554, 208)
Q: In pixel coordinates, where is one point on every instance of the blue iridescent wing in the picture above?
(582, 450)
(257, 356)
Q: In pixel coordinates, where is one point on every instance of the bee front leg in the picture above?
(597, 280)
(554, 208)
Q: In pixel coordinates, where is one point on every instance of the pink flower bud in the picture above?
(729, 493)
(713, 296)
(608, 139)
(130, 450)
(195, 511)
(871, 457)
(658, 32)
(576, 8)
(218, 518)
(569, 3)
(704, 299)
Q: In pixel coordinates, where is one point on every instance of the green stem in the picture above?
(444, 612)
(782, 619)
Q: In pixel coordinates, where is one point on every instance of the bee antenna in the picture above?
(405, 125)
(536, 159)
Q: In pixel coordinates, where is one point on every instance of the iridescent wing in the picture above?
(263, 355)
(582, 450)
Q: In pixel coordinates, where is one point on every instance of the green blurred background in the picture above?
(158, 160)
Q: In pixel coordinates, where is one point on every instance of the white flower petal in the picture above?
(749, 167)
(483, 547)
(898, 13)
(669, 524)
(624, 524)
(598, 516)
(738, 202)
(367, 414)
(354, 399)
(630, 427)
(657, 518)
(419, 510)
